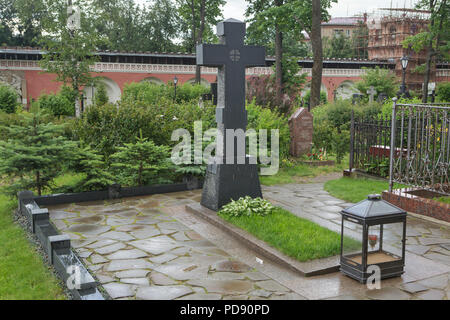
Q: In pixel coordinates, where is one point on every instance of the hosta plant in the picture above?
(248, 207)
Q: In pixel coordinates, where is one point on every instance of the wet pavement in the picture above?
(152, 248)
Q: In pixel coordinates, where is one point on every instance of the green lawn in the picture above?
(291, 174)
(298, 238)
(23, 274)
(356, 189)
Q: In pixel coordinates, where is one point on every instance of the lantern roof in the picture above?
(373, 207)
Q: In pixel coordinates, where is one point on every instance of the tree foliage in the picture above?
(435, 39)
(34, 153)
(141, 162)
(383, 81)
(8, 99)
(69, 53)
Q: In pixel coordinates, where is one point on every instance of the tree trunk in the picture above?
(198, 75)
(430, 54)
(77, 107)
(279, 64)
(38, 182)
(278, 59)
(193, 33)
(316, 42)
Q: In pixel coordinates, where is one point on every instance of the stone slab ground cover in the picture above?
(138, 252)
(192, 259)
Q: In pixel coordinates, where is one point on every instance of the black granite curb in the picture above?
(58, 247)
(306, 269)
(113, 192)
(66, 263)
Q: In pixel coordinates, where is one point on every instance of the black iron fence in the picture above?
(420, 146)
(416, 153)
(370, 142)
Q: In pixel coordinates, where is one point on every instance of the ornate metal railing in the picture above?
(420, 146)
(370, 144)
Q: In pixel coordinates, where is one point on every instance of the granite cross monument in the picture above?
(229, 177)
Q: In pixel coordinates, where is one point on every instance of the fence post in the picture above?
(352, 141)
(392, 151)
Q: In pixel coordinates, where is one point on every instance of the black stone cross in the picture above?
(231, 57)
(230, 181)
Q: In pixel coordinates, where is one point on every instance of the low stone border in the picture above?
(306, 269)
(414, 203)
(356, 173)
(113, 192)
(328, 163)
(58, 249)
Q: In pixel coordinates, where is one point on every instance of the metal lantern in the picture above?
(373, 221)
(404, 61)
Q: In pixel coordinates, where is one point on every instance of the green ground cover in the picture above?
(293, 173)
(356, 189)
(296, 237)
(23, 274)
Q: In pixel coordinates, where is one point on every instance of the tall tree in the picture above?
(20, 21)
(198, 18)
(316, 41)
(435, 40)
(291, 17)
(70, 50)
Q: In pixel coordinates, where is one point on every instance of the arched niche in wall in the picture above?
(346, 90)
(153, 80)
(14, 81)
(202, 81)
(112, 89)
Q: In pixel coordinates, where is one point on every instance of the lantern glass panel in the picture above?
(374, 238)
(352, 245)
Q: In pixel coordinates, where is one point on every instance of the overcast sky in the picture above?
(236, 8)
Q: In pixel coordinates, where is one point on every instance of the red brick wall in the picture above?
(419, 205)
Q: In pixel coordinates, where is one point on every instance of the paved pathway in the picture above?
(425, 239)
(151, 248)
(138, 252)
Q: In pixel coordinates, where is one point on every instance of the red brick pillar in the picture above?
(301, 127)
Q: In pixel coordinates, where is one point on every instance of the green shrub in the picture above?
(443, 91)
(57, 104)
(150, 93)
(387, 106)
(141, 163)
(264, 118)
(339, 114)
(101, 96)
(8, 99)
(341, 144)
(247, 207)
(110, 126)
(383, 80)
(323, 97)
(93, 169)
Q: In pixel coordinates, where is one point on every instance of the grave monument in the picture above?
(229, 177)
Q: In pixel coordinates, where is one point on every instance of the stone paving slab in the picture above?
(138, 252)
(183, 257)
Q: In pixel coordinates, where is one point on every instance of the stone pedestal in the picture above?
(226, 182)
(301, 127)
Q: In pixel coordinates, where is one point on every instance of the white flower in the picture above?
(175, 119)
(161, 116)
